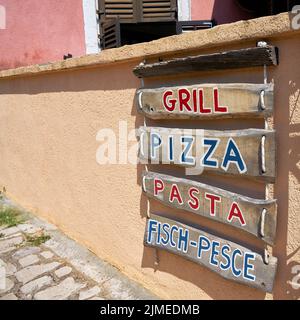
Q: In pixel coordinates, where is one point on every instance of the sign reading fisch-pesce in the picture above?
(249, 152)
(226, 258)
(254, 216)
(207, 101)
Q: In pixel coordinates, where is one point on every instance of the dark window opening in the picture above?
(147, 31)
(133, 21)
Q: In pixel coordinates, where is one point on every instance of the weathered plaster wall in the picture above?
(49, 124)
(54, 28)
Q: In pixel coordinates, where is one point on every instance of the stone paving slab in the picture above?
(47, 254)
(62, 272)
(7, 245)
(29, 273)
(87, 294)
(28, 260)
(24, 252)
(61, 291)
(36, 284)
(56, 269)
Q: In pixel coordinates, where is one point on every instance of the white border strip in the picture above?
(90, 26)
(184, 10)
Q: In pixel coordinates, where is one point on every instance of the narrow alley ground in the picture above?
(37, 261)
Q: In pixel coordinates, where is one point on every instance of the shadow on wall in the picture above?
(227, 11)
(68, 81)
(287, 95)
(287, 122)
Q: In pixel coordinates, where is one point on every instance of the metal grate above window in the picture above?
(187, 26)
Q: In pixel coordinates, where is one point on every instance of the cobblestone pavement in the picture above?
(39, 262)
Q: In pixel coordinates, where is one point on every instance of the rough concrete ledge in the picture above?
(261, 28)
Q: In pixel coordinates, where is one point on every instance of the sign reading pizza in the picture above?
(254, 216)
(207, 101)
(228, 259)
(249, 152)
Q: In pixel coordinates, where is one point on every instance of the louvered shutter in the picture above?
(110, 35)
(158, 10)
(132, 11)
(124, 10)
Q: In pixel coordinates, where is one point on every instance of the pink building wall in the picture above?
(39, 31)
(222, 11)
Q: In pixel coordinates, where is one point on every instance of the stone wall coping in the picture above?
(265, 28)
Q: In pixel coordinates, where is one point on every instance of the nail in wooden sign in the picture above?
(228, 259)
(207, 101)
(254, 216)
(249, 153)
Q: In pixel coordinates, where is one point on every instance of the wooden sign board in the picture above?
(248, 153)
(254, 216)
(228, 259)
(207, 101)
(233, 59)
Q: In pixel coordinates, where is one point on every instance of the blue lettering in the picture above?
(158, 234)
(233, 156)
(155, 143)
(226, 256)
(171, 153)
(151, 228)
(173, 229)
(183, 238)
(236, 272)
(214, 252)
(207, 161)
(249, 266)
(202, 246)
(188, 142)
(166, 229)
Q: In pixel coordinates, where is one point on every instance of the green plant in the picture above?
(37, 240)
(10, 217)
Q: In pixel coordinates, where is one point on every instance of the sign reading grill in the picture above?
(207, 101)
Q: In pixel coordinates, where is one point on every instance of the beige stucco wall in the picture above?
(49, 122)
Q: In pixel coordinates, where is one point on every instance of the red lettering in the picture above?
(216, 102)
(194, 203)
(169, 104)
(175, 194)
(235, 212)
(201, 102)
(158, 186)
(184, 101)
(213, 199)
(185, 97)
(195, 100)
